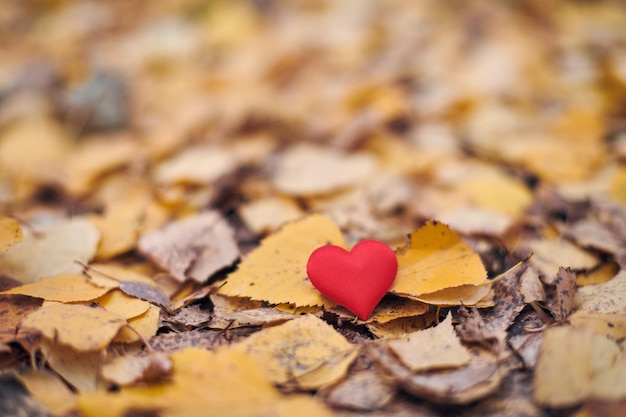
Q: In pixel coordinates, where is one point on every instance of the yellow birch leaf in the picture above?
(122, 305)
(10, 233)
(276, 270)
(435, 259)
(599, 275)
(49, 390)
(618, 186)
(144, 326)
(81, 327)
(612, 326)
(434, 348)
(225, 383)
(468, 295)
(399, 327)
(391, 308)
(80, 369)
(498, 192)
(66, 288)
(317, 356)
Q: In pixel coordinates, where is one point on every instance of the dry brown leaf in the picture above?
(13, 308)
(10, 233)
(461, 385)
(433, 348)
(52, 250)
(400, 327)
(561, 299)
(531, 286)
(612, 326)
(436, 259)
(276, 270)
(365, 390)
(552, 254)
(317, 357)
(195, 247)
(255, 317)
(606, 298)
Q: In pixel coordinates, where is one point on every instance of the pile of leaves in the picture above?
(167, 168)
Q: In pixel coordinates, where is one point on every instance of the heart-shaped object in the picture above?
(358, 279)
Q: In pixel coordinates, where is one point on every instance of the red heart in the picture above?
(357, 279)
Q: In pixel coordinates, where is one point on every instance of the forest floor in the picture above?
(168, 168)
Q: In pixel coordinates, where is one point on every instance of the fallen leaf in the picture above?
(612, 326)
(306, 170)
(570, 362)
(561, 299)
(531, 286)
(51, 250)
(140, 328)
(13, 308)
(48, 389)
(10, 233)
(598, 275)
(498, 192)
(195, 247)
(83, 328)
(433, 348)
(227, 383)
(276, 270)
(399, 327)
(255, 317)
(317, 357)
(146, 292)
(366, 390)
(436, 259)
(463, 294)
(552, 254)
(267, 215)
(606, 298)
(15, 399)
(79, 369)
(68, 288)
(461, 385)
(196, 165)
(122, 305)
(126, 370)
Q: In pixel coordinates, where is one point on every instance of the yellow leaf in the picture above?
(391, 308)
(436, 259)
(468, 295)
(498, 192)
(317, 356)
(10, 233)
(612, 326)
(225, 383)
(434, 348)
(145, 325)
(618, 186)
(122, 305)
(80, 369)
(276, 270)
(81, 327)
(63, 288)
(48, 389)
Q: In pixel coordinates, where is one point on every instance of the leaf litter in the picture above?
(159, 201)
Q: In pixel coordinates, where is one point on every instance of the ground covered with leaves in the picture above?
(167, 168)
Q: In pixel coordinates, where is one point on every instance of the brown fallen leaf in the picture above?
(366, 390)
(461, 385)
(560, 297)
(13, 308)
(608, 298)
(434, 348)
(195, 247)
